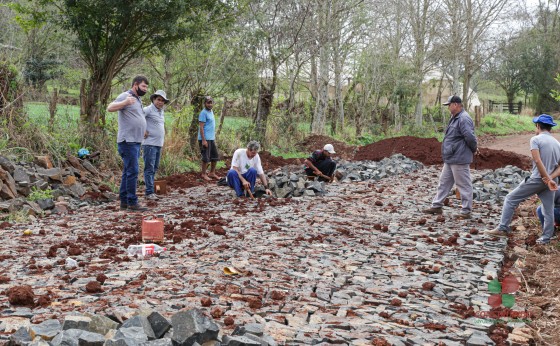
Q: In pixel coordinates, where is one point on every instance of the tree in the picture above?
(110, 33)
(422, 18)
(193, 69)
(480, 15)
(538, 49)
(504, 68)
(323, 18)
(278, 25)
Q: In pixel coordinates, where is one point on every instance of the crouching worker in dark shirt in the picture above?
(320, 164)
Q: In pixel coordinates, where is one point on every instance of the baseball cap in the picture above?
(329, 148)
(453, 99)
(544, 119)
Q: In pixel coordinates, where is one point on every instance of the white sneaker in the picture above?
(152, 197)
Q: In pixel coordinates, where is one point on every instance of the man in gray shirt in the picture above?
(132, 126)
(545, 151)
(153, 140)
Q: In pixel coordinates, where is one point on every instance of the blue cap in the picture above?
(83, 153)
(544, 119)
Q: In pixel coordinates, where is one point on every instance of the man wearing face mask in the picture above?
(132, 125)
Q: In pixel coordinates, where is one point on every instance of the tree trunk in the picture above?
(338, 104)
(91, 102)
(223, 114)
(313, 78)
(197, 100)
(418, 110)
(510, 99)
(53, 102)
(358, 122)
(266, 97)
(319, 117)
(396, 115)
(83, 94)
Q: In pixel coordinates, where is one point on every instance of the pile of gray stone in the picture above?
(493, 186)
(488, 186)
(188, 327)
(285, 184)
(18, 180)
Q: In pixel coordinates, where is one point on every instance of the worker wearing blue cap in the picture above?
(545, 150)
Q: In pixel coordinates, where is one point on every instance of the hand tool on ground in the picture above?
(250, 193)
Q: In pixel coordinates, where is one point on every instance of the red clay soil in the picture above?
(21, 295)
(317, 142)
(270, 162)
(428, 151)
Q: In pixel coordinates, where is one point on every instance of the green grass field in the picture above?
(236, 129)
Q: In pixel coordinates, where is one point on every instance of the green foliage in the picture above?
(172, 163)
(556, 93)
(19, 216)
(37, 194)
(287, 153)
(9, 76)
(29, 17)
(536, 53)
(39, 70)
(505, 124)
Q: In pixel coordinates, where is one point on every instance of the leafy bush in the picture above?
(37, 194)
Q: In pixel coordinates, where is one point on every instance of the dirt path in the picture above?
(515, 143)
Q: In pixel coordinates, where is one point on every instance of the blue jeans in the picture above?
(541, 215)
(152, 155)
(234, 181)
(129, 153)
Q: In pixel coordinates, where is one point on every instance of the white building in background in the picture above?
(431, 82)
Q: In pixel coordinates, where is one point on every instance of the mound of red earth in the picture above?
(428, 151)
(271, 162)
(316, 142)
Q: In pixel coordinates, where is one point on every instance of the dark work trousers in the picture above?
(327, 167)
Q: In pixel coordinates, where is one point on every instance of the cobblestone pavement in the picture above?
(360, 263)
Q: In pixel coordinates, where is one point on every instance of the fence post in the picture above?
(519, 107)
(477, 116)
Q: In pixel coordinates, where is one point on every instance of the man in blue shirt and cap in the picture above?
(545, 151)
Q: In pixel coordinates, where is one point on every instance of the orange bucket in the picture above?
(152, 229)
(160, 186)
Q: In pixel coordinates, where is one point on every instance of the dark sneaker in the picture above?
(433, 211)
(124, 206)
(496, 232)
(463, 216)
(137, 207)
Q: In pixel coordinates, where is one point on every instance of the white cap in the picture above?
(329, 148)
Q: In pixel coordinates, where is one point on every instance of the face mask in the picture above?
(140, 92)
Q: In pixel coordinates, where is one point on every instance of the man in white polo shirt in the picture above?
(245, 167)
